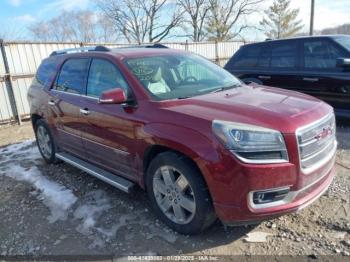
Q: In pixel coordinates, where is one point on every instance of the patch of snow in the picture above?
(95, 204)
(257, 237)
(56, 197)
(124, 220)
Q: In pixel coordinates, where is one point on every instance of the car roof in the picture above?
(134, 52)
(120, 53)
(297, 38)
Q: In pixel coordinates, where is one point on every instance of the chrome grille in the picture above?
(317, 143)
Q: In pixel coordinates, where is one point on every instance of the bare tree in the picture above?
(41, 31)
(84, 26)
(59, 28)
(226, 15)
(281, 21)
(108, 32)
(10, 32)
(81, 26)
(197, 13)
(142, 20)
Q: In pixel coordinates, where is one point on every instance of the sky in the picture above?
(16, 15)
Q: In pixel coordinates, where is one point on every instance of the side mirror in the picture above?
(113, 96)
(343, 62)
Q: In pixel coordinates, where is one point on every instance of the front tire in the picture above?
(45, 141)
(178, 194)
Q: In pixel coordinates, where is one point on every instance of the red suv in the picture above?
(199, 141)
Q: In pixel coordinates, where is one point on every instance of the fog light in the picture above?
(263, 197)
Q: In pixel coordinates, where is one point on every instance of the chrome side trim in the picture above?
(68, 133)
(68, 93)
(116, 150)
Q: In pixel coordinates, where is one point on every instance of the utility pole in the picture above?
(312, 17)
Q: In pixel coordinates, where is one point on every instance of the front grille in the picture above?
(317, 143)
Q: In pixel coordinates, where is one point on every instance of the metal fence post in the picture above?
(186, 45)
(8, 83)
(217, 59)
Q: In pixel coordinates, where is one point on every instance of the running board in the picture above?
(114, 180)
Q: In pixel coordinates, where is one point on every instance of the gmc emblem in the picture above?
(326, 131)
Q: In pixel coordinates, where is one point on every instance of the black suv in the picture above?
(318, 65)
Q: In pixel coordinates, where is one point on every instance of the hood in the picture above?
(269, 107)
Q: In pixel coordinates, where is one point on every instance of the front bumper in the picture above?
(236, 215)
(235, 205)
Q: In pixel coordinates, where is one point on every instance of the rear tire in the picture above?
(45, 141)
(178, 194)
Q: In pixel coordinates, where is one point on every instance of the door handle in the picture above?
(310, 79)
(265, 77)
(84, 111)
(51, 103)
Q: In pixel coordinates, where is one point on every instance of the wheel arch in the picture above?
(195, 147)
(34, 118)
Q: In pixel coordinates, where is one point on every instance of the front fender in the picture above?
(195, 145)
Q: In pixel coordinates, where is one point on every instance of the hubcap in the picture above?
(174, 195)
(44, 141)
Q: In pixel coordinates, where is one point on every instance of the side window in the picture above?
(73, 75)
(284, 54)
(321, 54)
(248, 57)
(103, 76)
(45, 71)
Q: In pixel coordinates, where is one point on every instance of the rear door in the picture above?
(251, 63)
(284, 65)
(321, 77)
(274, 63)
(108, 129)
(64, 101)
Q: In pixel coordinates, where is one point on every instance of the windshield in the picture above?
(180, 76)
(344, 41)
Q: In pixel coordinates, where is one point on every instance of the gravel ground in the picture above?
(60, 210)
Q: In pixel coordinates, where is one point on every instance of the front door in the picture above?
(284, 64)
(321, 77)
(108, 129)
(64, 100)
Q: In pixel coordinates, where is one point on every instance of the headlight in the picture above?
(251, 144)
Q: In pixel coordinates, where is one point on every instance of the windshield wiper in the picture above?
(183, 97)
(225, 88)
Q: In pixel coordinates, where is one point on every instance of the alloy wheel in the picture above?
(174, 195)
(44, 141)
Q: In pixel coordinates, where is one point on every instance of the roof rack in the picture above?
(98, 48)
(147, 46)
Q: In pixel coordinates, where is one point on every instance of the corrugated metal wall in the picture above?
(23, 58)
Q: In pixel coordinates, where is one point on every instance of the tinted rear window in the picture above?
(247, 57)
(45, 72)
(251, 56)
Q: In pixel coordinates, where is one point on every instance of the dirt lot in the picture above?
(59, 210)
